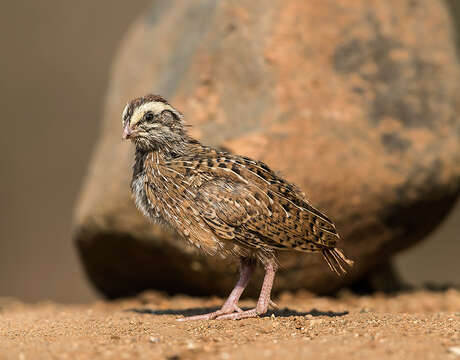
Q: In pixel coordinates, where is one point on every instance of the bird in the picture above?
(224, 204)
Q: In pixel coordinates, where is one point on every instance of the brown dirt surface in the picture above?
(416, 325)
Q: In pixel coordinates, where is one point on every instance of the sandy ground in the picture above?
(417, 325)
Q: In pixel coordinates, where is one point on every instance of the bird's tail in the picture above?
(336, 260)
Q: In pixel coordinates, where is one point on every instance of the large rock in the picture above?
(354, 101)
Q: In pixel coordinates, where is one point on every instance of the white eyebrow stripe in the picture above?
(154, 106)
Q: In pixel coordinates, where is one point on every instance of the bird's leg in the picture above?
(264, 298)
(231, 304)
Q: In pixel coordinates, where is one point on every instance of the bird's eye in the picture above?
(148, 116)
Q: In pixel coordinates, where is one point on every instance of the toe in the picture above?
(209, 316)
(239, 315)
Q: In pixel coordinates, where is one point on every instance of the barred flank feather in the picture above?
(336, 260)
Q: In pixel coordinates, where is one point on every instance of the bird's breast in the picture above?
(155, 200)
(147, 204)
(139, 194)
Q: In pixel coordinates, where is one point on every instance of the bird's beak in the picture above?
(127, 132)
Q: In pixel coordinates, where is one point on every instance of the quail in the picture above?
(224, 204)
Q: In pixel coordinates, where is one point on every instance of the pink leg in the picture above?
(231, 304)
(264, 298)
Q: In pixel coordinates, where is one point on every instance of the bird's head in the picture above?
(151, 123)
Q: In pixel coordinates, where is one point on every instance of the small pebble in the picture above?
(455, 350)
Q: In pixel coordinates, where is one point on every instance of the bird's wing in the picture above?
(243, 200)
(245, 170)
(243, 212)
(225, 207)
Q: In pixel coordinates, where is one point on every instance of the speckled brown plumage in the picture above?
(222, 203)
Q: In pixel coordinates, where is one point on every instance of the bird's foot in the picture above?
(240, 315)
(226, 310)
(260, 309)
(230, 313)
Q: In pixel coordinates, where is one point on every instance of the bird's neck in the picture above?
(169, 151)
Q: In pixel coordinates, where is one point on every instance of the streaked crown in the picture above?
(136, 109)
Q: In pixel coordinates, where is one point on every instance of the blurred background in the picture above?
(56, 59)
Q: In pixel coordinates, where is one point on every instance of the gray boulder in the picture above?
(355, 102)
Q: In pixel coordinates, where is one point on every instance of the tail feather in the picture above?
(336, 260)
